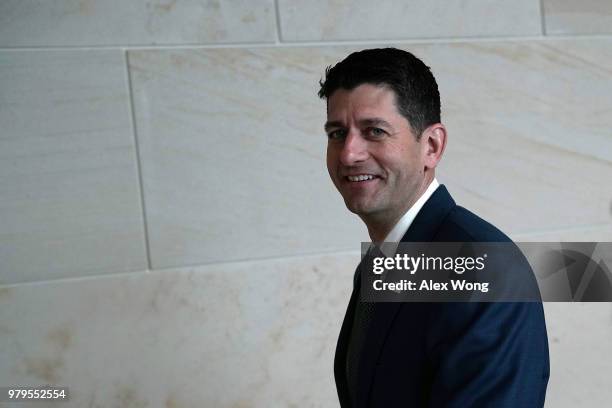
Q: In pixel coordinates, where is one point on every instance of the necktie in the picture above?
(364, 312)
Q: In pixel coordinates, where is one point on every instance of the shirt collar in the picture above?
(400, 228)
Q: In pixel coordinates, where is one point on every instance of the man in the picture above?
(384, 142)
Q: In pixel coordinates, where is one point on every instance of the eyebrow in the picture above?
(363, 122)
(332, 124)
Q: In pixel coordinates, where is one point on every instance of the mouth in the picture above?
(361, 178)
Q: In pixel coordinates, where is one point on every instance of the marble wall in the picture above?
(169, 236)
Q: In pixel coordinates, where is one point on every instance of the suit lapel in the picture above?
(422, 229)
(432, 214)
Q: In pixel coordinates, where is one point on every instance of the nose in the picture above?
(354, 150)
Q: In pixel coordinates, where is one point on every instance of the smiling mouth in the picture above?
(360, 178)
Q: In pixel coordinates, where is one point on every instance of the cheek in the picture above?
(331, 161)
(406, 164)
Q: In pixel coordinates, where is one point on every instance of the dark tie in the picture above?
(364, 311)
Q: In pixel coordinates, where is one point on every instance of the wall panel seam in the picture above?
(347, 43)
(542, 17)
(279, 33)
(138, 159)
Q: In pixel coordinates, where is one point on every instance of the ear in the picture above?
(434, 143)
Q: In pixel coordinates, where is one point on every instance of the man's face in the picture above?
(373, 157)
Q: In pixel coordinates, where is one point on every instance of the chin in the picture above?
(360, 209)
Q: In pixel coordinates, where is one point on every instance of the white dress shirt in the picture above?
(400, 228)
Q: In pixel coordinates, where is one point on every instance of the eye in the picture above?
(337, 134)
(376, 132)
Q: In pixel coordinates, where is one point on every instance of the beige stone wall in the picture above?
(168, 233)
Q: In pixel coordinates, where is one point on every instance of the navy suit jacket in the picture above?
(448, 354)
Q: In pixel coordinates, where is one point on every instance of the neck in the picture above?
(378, 232)
(380, 225)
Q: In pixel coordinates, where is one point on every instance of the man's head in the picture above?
(383, 125)
(414, 86)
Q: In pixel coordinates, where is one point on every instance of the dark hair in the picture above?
(416, 91)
